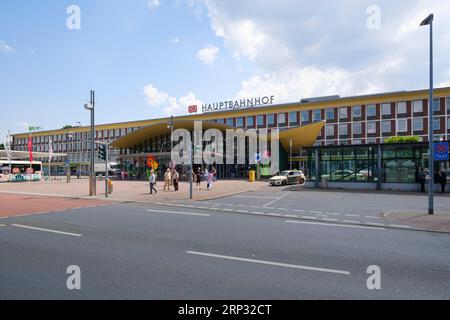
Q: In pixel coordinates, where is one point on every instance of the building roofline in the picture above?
(201, 116)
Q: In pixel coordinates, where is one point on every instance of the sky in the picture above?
(153, 58)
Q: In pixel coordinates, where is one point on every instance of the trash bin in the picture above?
(252, 176)
(110, 186)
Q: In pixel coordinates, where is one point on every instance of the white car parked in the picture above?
(288, 177)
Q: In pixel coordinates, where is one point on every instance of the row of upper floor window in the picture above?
(385, 126)
(78, 136)
(332, 114)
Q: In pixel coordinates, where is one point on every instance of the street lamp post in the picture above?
(426, 22)
(69, 156)
(92, 182)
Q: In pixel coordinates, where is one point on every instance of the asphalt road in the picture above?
(335, 207)
(127, 252)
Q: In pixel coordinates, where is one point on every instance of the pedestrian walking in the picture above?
(198, 177)
(152, 180)
(210, 180)
(421, 176)
(205, 174)
(167, 179)
(443, 180)
(214, 173)
(175, 179)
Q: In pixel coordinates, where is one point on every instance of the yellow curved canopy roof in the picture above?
(304, 136)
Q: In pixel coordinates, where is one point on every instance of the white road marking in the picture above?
(277, 199)
(351, 221)
(178, 212)
(291, 216)
(335, 225)
(2, 225)
(242, 211)
(271, 263)
(318, 212)
(370, 217)
(330, 220)
(399, 226)
(203, 208)
(259, 213)
(228, 210)
(333, 214)
(47, 230)
(256, 197)
(270, 208)
(352, 215)
(299, 210)
(309, 218)
(275, 214)
(282, 209)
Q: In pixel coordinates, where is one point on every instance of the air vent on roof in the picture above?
(318, 99)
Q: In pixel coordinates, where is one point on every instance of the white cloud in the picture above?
(170, 105)
(299, 48)
(153, 4)
(208, 55)
(175, 40)
(5, 47)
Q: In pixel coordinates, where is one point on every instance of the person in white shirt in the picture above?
(167, 179)
(152, 180)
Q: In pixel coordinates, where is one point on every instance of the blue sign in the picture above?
(441, 151)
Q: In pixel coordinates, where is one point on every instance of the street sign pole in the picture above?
(430, 129)
(107, 173)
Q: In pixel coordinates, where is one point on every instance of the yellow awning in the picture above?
(304, 136)
(134, 138)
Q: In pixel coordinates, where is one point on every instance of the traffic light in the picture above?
(102, 152)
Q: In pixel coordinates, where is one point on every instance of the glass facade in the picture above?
(345, 164)
(400, 163)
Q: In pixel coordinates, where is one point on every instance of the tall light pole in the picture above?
(92, 182)
(78, 151)
(429, 22)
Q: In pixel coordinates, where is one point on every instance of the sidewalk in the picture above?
(132, 191)
(418, 219)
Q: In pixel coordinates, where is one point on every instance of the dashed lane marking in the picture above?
(318, 212)
(333, 214)
(275, 214)
(178, 212)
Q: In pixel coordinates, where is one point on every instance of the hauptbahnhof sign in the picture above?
(238, 104)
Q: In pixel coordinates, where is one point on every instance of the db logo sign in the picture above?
(192, 109)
